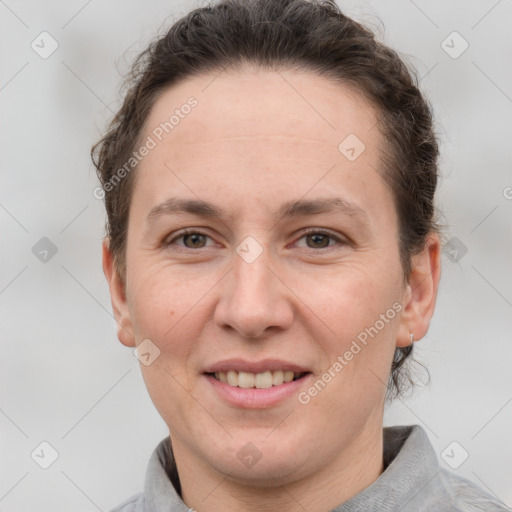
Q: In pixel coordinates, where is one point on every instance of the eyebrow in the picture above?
(301, 207)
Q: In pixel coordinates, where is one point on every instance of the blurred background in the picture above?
(77, 426)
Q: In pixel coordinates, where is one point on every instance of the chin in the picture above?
(270, 471)
(261, 459)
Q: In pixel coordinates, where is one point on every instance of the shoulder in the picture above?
(132, 504)
(415, 482)
(465, 496)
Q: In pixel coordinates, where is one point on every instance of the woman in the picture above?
(272, 253)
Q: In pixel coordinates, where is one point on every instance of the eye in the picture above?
(320, 239)
(192, 239)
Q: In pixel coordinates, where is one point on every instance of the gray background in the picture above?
(66, 380)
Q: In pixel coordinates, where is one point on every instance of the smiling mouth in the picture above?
(262, 380)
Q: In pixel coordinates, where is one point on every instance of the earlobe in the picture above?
(420, 293)
(118, 297)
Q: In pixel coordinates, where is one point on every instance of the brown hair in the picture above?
(308, 35)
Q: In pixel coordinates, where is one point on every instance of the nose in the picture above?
(254, 299)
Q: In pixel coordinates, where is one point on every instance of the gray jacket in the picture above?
(412, 481)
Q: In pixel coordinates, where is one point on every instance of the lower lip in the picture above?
(255, 398)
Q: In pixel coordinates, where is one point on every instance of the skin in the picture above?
(252, 144)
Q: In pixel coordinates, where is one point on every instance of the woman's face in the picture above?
(291, 253)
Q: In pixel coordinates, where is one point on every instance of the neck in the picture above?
(357, 467)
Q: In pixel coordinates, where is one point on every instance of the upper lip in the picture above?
(241, 365)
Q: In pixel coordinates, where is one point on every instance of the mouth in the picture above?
(262, 380)
(259, 384)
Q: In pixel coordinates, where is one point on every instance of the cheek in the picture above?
(161, 297)
(166, 310)
(354, 296)
(362, 313)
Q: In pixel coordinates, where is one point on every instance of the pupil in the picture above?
(317, 240)
(195, 238)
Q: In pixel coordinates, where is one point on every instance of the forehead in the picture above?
(251, 102)
(255, 131)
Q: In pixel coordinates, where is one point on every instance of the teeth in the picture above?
(277, 378)
(288, 376)
(232, 378)
(263, 380)
(256, 380)
(245, 380)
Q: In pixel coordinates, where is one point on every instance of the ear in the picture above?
(118, 297)
(420, 294)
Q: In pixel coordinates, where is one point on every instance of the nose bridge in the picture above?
(253, 299)
(252, 275)
(253, 287)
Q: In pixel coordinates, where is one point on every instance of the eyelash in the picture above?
(310, 231)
